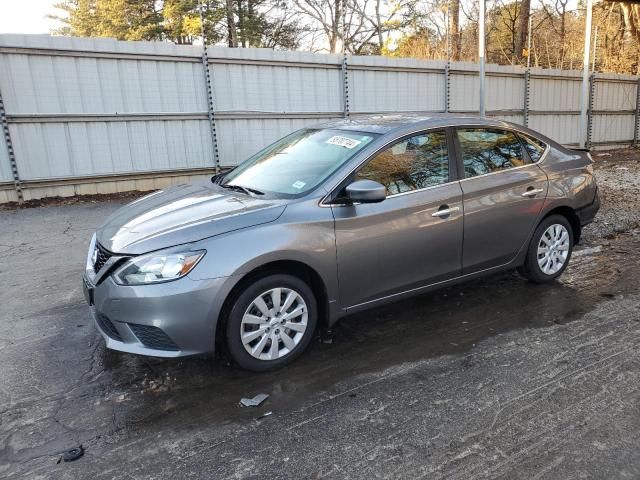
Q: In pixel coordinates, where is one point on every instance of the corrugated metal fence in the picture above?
(98, 115)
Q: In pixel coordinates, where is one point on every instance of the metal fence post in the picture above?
(636, 126)
(345, 86)
(210, 109)
(447, 87)
(527, 92)
(12, 156)
(592, 98)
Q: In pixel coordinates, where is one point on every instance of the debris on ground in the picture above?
(619, 191)
(268, 414)
(120, 197)
(72, 454)
(255, 401)
(587, 251)
(326, 336)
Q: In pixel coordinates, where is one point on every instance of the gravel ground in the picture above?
(496, 378)
(619, 183)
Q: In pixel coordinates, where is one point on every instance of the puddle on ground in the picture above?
(445, 322)
(125, 394)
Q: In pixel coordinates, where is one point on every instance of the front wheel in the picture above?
(271, 322)
(549, 251)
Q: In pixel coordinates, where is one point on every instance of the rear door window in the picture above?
(534, 147)
(488, 150)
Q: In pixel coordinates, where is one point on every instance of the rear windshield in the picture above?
(299, 162)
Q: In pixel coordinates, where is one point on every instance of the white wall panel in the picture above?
(504, 88)
(5, 166)
(611, 128)
(387, 91)
(275, 81)
(505, 93)
(383, 84)
(615, 95)
(564, 129)
(276, 89)
(549, 94)
(239, 139)
(464, 93)
(66, 76)
(60, 150)
(44, 85)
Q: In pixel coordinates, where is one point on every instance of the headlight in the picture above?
(157, 267)
(91, 259)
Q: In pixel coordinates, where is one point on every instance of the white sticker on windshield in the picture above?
(298, 184)
(343, 141)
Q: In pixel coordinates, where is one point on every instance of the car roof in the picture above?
(397, 123)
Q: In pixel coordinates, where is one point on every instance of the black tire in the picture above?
(531, 269)
(244, 300)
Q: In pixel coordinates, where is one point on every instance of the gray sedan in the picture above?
(328, 221)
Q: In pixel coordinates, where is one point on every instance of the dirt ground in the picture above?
(496, 378)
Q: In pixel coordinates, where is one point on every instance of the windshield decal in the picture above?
(299, 184)
(343, 141)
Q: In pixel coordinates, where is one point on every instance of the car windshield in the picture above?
(297, 163)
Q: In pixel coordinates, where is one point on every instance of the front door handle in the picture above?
(445, 211)
(532, 192)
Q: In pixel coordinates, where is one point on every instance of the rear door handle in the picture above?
(532, 192)
(445, 211)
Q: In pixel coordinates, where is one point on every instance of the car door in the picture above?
(503, 194)
(411, 238)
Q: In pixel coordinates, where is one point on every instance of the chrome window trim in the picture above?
(497, 172)
(513, 129)
(422, 189)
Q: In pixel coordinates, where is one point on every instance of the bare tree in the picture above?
(454, 28)
(523, 27)
(327, 14)
(362, 26)
(231, 24)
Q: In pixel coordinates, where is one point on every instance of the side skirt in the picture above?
(428, 288)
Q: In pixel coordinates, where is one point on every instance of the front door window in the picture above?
(412, 163)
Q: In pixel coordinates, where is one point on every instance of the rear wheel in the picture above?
(271, 322)
(549, 251)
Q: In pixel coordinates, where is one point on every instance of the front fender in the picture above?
(304, 233)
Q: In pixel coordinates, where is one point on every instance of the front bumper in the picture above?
(172, 319)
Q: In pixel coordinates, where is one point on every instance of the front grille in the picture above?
(108, 327)
(102, 256)
(153, 337)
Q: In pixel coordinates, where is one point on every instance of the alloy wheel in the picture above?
(274, 324)
(553, 249)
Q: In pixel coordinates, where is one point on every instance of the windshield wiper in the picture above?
(239, 188)
(221, 176)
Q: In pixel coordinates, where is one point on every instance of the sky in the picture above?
(26, 16)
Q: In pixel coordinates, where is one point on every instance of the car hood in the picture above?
(183, 214)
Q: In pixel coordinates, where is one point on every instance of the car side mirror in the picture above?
(366, 191)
